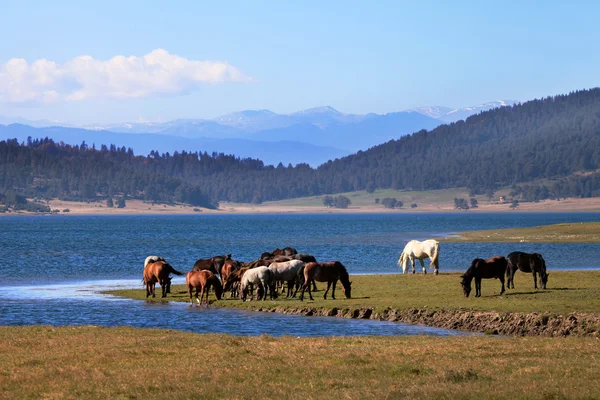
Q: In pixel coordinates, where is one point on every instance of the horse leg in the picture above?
(534, 280)
(153, 289)
(148, 290)
(309, 291)
(512, 277)
(327, 290)
(502, 281)
(163, 287)
(412, 261)
(201, 295)
(477, 287)
(423, 265)
(333, 290)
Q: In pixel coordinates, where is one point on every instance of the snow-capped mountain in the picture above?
(432, 111)
(446, 114)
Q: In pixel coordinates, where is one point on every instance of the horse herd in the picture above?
(495, 267)
(270, 271)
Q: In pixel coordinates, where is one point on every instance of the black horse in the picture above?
(494, 267)
(526, 262)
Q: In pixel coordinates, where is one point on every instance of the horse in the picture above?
(202, 281)
(233, 280)
(420, 251)
(526, 262)
(210, 264)
(259, 263)
(260, 276)
(304, 257)
(329, 272)
(286, 272)
(494, 267)
(158, 272)
(268, 255)
(150, 259)
(219, 261)
(228, 268)
(289, 251)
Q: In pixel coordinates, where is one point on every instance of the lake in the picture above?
(54, 265)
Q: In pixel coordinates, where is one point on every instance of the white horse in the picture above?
(262, 277)
(420, 251)
(286, 271)
(152, 259)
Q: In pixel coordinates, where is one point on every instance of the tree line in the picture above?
(556, 139)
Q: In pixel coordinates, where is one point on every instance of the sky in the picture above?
(114, 61)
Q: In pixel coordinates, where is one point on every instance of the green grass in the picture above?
(567, 292)
(128, 363)
(584, 232)
(362, 198)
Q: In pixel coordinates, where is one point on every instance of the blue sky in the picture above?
(285, 56)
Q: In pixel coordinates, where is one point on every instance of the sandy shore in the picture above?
(139, 207)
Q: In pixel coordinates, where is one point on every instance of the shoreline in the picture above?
(139, 207)
(438, 302)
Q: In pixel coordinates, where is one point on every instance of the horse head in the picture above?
(544, 279)
(347, 289)
(466, 285)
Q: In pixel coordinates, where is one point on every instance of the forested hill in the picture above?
(547, 138)
(551, 138)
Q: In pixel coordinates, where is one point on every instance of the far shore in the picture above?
(139, 207)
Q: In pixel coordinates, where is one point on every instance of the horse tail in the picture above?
(435, 255)
(173, 270)
(401, 259)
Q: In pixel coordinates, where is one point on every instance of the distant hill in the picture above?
(272, 152)
(554, 139)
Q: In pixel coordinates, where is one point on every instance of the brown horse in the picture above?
(228, 268)
(213, 264)
(494, 267)
(202, 281)
(329, 272)
(233, 280)
(158, 272)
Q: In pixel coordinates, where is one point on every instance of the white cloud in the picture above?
(83, 77)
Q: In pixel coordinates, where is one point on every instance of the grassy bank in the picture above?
(127, 363)
(567, 292)
(570, 232)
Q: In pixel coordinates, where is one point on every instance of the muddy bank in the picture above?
(513, 324)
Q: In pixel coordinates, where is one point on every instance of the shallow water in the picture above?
(54, 266)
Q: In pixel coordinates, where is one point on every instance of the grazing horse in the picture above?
(202, 281)
(286, 272)
(420, 251)
(259, 263)
(151, 259)
(268, 255)
(329, 272)
(219, 261)
(158, 272)
(304, 257)
(526, 262)
(233, 281)
(494, 267)
(210, 264)
(229, 267)
(262, 277)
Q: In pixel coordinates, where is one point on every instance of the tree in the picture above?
(377, 201)
(342, 202)
(514, 204)
(460, 204)
(110, 203)
(389, 202)
(474, 202)
(413, 205)
(121, 202)
(328, 201)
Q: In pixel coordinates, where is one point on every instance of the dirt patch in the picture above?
(513, 324)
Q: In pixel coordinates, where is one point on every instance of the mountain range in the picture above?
(312, 136)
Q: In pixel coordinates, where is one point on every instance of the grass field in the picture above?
(570, 232)
(567, 292)
(362, 198)
(128, 363)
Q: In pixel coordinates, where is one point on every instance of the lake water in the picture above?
(55, 265)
